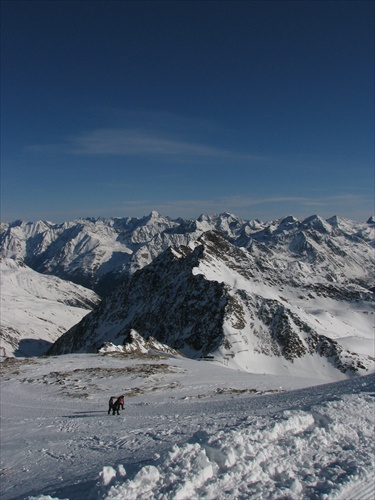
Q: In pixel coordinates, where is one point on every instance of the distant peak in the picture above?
(334, 221)
(289, 219)
(203, 218)
(312, 218)
(228, 214)
(371, 220)
(154, 215)
(319, 224)
(17, 223)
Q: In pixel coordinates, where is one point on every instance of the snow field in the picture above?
(190, 430)
(296, 454)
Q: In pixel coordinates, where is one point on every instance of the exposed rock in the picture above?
(135, 344)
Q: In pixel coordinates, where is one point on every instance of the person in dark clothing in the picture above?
(111, 403)
(116, 407)
(121, 401)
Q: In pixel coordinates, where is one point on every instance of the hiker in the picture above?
(121, 402)
(111, 403)
(116, 407)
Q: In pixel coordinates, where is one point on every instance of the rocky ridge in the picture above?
(215, 298)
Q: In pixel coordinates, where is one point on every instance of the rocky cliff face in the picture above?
(161, 301)
(255, 307)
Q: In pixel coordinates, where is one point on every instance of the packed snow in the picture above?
(189, 430)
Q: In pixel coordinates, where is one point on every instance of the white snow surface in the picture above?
(36, 309)
(189, 430)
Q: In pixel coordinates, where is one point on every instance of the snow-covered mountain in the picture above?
(37, 309)
(95, 253)
(254, 294)
(258, 309)
(99, 253)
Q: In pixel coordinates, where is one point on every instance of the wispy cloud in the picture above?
(133, 142)
(127, 142)
(318, 201)
(153, 134)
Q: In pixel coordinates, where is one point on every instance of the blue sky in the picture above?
(262, 109)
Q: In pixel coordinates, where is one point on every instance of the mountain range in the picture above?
(98, 253)
(291, 295)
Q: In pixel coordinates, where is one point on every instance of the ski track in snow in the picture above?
(181, 441)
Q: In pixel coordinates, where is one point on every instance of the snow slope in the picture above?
(190, 430)
(37, 309)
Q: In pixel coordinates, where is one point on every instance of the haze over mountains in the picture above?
(287, 296)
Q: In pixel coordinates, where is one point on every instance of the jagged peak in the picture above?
(154, 215)
(214, 217)
(318, 223)
(30, 228)
(334, 221)
(371, 220)
(229, 215)
(213, 237)
(17, 223)
(202, 217)
(312, 218)
(289, 219)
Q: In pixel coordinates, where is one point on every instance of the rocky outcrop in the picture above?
(135, 344)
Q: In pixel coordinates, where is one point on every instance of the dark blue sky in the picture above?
(262, 109)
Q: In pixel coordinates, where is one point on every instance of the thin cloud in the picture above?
(305, 200)
(139, 143)
(129, 142)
